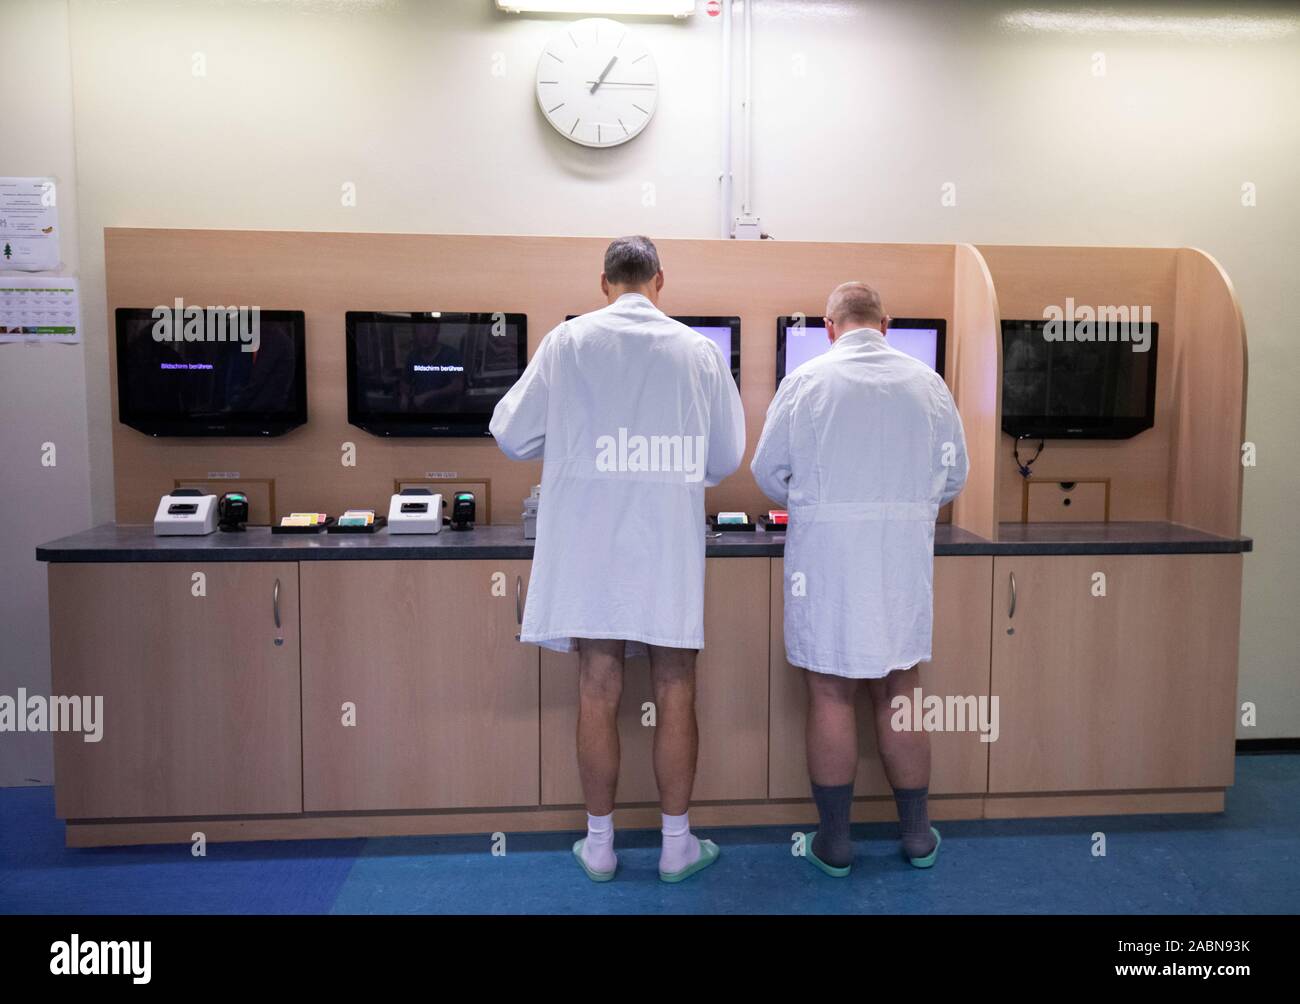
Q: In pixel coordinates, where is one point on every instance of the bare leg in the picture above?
(906, 759)
(832, 736)
(832, 730)
(677, 743)
(904, 755)
(677, 737)
(600, 688)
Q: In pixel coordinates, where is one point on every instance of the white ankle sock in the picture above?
(598, 851)
(681, 847)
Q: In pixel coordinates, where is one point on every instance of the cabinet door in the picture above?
(730, 701)
(1131, 689)
(200, 705)
(416, 693)
(959, 669)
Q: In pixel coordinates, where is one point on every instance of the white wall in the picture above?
(895, 98)
(42, 387)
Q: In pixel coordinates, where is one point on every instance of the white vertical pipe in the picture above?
(725, 188)
(747, 147)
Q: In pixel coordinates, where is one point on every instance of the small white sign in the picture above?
(29, 225)
(39, 308)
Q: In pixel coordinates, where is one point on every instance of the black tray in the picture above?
(379, 523)
(318, 528)
(731, 527)
(770, 527)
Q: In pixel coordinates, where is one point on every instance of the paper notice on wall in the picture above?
(39, 308)
(29, 224)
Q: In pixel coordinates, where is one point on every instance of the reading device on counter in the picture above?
(462, 511)
(415, 510)
(186, 512)
(232, 512)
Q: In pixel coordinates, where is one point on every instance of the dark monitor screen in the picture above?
(722, 330)
(216, 372)
(1094, 389)
(798, 341)
(431, 373)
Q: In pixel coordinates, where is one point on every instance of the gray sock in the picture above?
(832, 844)
(914, 821)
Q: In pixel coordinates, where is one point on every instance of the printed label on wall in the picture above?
(29, 224)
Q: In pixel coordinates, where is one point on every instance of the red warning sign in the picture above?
(713, 8)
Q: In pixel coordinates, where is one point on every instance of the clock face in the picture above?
(597, 83)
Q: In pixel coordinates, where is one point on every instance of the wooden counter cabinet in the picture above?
(731, 701)
(416, 693)
(200, 702)
(960, 668)
(1115, 672)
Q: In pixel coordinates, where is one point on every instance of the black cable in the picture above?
(1025, 467)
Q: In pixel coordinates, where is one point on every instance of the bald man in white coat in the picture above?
(863, 445)
(634, 414)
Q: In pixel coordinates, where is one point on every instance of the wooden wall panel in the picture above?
(1027, 280)
(326, 274)
(975, 374)
(1210, 395)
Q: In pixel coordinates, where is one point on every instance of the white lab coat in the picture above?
(862, 445)
(620, 544)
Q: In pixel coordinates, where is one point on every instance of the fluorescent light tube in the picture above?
(663, 8)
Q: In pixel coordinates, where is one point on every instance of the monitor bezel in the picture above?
(428, 425)
(1062, 427)
(937, 324)
(247, 425)
(731, 321)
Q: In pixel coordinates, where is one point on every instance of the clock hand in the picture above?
(619, 83)
(603, 73)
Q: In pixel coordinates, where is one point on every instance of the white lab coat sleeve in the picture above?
(519, 419)
(726, 423)
(773, 460)
(951, 431)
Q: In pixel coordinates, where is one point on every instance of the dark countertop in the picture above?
(113, 543)
(1113, 538)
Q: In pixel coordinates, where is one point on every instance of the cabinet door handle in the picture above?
(1011, 606)
(275, 610)
(519, 599)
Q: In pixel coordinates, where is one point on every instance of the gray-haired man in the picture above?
(634, 415)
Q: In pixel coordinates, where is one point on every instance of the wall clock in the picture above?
(597, 83)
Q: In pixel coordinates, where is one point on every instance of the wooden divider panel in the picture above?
(327, 274)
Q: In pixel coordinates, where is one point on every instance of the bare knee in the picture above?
(827, 691)
(886, 689)
(600, 672)
(672, 673)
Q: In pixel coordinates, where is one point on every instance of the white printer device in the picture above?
(415, 510)
(186, 512)
(529, 515)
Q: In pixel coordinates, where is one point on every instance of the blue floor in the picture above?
(1246, 860)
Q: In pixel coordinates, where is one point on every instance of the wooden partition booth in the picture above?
(339, 685)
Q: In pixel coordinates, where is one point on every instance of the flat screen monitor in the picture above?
(1078, 389)
(222, 372)
(431, 373)
(797, 341)
(722, 330)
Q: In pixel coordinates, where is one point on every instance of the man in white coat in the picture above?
(862, 444)
(634, 414)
